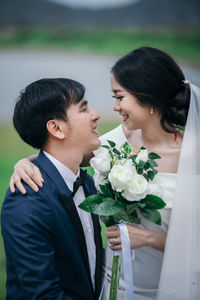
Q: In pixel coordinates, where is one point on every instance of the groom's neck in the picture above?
(71, 157)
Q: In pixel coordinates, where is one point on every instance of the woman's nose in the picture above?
(116, 106)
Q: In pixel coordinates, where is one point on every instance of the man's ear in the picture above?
(55, 128)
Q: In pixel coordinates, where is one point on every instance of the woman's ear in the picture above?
(56, 129)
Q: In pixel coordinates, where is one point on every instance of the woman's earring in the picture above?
(151, 110)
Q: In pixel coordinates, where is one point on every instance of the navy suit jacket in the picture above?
(45, 243)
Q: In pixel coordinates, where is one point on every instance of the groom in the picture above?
(53, 248)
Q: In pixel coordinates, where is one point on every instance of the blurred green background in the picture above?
(183, 45)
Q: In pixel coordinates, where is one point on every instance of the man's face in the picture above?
(82, 127)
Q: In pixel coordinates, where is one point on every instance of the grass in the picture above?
(12, 149)
(183, 45)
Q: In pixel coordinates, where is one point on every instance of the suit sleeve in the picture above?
(27, 230)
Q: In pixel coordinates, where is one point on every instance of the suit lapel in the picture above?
(48, 167)
(76, 222)
(99, 255)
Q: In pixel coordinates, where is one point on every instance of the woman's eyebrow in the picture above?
(117, 91)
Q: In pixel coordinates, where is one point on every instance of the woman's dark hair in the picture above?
(42, 101)
(156, 80)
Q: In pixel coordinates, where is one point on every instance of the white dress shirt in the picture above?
(85, 217)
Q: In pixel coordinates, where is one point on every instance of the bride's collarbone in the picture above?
(168, 151)
(166, 147)
(168, 163)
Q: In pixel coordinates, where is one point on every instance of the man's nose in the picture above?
(94, 114)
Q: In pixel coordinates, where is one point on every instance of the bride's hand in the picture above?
(25, 170)
(139, 237)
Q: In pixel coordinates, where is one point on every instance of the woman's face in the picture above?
(135, 115)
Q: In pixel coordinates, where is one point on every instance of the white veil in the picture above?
(180, 274)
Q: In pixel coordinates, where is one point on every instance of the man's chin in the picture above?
(95, 146)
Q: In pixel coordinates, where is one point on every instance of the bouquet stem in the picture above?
(114, 278)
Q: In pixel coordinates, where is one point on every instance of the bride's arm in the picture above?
(25, 170)
(139, 237)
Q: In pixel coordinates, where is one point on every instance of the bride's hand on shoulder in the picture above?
(139, 237)
(25, 170)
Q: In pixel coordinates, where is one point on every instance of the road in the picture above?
(19, 68)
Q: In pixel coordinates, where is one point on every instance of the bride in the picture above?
(156, 103)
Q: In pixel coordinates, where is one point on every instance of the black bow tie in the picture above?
(77, 183)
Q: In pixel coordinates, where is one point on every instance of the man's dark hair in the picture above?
(41, 101)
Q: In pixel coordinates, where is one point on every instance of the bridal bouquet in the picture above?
(124, 180)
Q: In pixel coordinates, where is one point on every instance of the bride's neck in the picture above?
(151, 137)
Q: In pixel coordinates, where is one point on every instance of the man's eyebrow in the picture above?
(83, 103)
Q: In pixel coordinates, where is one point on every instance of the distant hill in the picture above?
(176, 13)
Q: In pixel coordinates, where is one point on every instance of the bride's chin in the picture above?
(129, 126)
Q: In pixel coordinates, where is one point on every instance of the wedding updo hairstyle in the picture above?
(156, 80)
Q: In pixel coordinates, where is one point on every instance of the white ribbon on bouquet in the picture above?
(125, 253)
(126, 260)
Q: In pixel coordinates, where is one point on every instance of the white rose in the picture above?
(99, 179)
(119, 177)
(101, 162)
(143, 155)
(136, 189)
(126, 163)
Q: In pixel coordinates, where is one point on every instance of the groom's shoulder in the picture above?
(30, 194)
(31, 199)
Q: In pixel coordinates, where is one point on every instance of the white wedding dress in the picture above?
(148, 261)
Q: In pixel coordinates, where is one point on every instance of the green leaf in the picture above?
(155, 171)
(146, 177)
(124, 145)
(151, 175)
(133, 158)
(147, 165)
(142, 204)
(111, 143)
(152, 215)
(108, 221)
(141, 163)
(142, 148)
(135, 220)
(105, 146)
(91, 203)
(132, 207)
(154, 202)
(116, 151)
(152, 163)
(122, 215)
(139, 170)
(153, 155)
(127, 148)
(108, 207)
(106, 189)
(111, 154)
